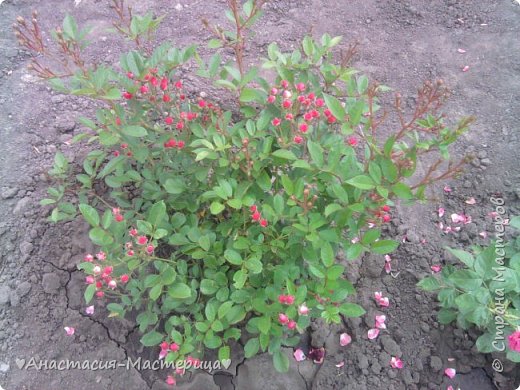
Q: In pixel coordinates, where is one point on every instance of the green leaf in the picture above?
(316, 152)
(466, 280)
(70, 28)
(351, 310)
(180, 291)
(239, 279)
(429, 283)
(100, 237)
(157, 213)
(152, 338)
(463, 256)
(175, 186)
(208, 287)
(264, 324)
(485, 343)
(251, 95)
(515, 222)
(335, 106)
(134, 131)
(362, 182)
(90, 214)
(402, 191)
(327, 254)
(446, 316)
(280, 361)
(284, 154)
(224, 353)
(332, 208)
(251, 348)
(89, 292)
(216, 208)
(233, 257)
(383, 247)
(214, 43)
(155, 292)
(204, 242)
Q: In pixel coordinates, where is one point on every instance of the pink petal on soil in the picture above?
(471, 201)
(89, 310)
(344, 339)
(450, 372)
(440, 212)
(436, 268)
(440, 225)
(483, 234)
(384, 302)
(388, 267)
(457, 218)
(340, 364)
(378, 295)
(461, 51)
(447, 189)
(465, 69)
(70, 330)
(373, 333)
(395, 362)
(299, 355)
(170, 380)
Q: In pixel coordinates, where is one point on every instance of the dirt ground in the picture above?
(403, 42)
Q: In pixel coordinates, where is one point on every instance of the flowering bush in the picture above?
(484, 293)
(223, 224)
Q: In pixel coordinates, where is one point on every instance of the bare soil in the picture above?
(403, 42)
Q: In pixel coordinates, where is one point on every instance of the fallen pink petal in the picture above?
(483, 234)
(471, 201)
(440, 212)
(447, 189)
(340, 364)
(450, 372)
(395, 362)
(436, 268)
(344, 339)
(465, 69)
(69, 330)
(461, 51)
(372, 334)
(89, 310)
(299, 355)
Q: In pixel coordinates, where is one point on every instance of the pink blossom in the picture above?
(142, 240)
(373, 333)
(471, 201)
(112, 284)
(299, 355)
(344, 339)
(89, 258)
(303, 310)
(514, 341)
(170, 380)
(89, 310)
(69, 330)
(440, 212)
(89, 279)
(436, 268)
(96, 269)
(380, 321)
(395, 362)
(163, 353)
(450, 372)
(149, 249)
(101, 255)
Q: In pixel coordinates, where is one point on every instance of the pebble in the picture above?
(51, 283)
(5, 293)
(390, 346)
(65, 124)
(436, 363)
(8, 192)
(4, 367)
(21, 206)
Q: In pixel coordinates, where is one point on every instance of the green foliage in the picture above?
(210, 217)
(483, 292)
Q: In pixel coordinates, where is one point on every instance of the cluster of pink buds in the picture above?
(383, 214)
(153, 86)
(102, 275)
(116, 212)
(257, 217)
(285, 320)
(123, 150)
(171, 143)
(166, 348)
(286, 299)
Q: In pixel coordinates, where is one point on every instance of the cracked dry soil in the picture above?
(402, 43)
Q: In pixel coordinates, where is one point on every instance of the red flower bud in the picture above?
(168, 120)
(256, 216)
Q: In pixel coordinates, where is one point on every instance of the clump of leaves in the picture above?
(217, 226)
(484, 292)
